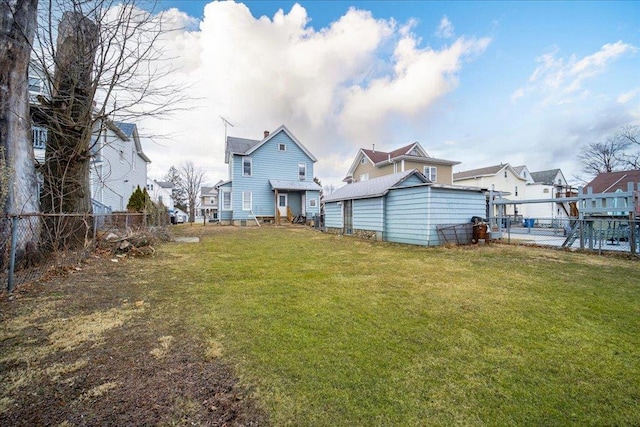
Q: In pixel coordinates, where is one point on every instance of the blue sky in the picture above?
(478, 82)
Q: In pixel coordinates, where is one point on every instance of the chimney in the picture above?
(266, 133)
(374, 148)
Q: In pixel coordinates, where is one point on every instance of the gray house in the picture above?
(404, 207)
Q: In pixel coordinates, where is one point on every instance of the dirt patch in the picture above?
(93, 347)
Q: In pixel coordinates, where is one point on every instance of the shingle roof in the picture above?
(126, 128)
(374, 187)
(547, 177)
(279, 184)
(380, 156)
(488, 171)
(240, 145)
(609, 182)
(204, 191)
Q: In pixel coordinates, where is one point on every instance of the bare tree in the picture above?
(599, 157)
(630, 137)
(104, 66)
(192, 179)
(17, 28)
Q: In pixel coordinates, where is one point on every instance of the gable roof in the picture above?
(609, 182)
(487, 171)
(130, 130)
(374, 187)
(244, 147)
(547, 177)
(164, 184)
(380, 158)
(205, 191)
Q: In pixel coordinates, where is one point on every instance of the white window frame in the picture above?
(133, 159)
(247, 199)
(313, 203)
(282, 147)
(363, 161)
(230, 206)
(364, 177)
(248, 161)
(302, 166)
(430, 171)
(122, 156)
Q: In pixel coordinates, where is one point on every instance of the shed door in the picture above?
(348, 216)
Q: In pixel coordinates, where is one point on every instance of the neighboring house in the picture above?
(501, 178)
(209, 202)
(373, 163)
(118, 164)
(161, 192)
(549, 184)
(269, 179)
(404, 207)
(617, 182)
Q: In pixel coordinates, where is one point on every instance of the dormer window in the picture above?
(282, 147)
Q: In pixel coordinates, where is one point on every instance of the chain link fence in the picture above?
(606, 234)
(33, 245)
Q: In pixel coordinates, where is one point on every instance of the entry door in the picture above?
(282, 204)
(348, 217)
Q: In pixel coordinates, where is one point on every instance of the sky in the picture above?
(481, 83)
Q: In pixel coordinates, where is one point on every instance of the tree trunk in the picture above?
(17, 29)
(67, 186)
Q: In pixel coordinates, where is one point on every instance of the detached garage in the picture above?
(404, 207)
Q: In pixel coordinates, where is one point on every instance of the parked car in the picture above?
(177, 216)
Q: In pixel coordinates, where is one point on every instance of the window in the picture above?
(505, 173)
(516, 191)
(226, 200)
(246, 200)
(133, 159)
(364, 177)
(545, 190)
(39, 137)
(313, 203)
(431, 172)
(246, 166)
(302, 171)
(121, 156)
(363, 161)
(282, 147)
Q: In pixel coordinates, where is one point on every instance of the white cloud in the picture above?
(627, 97)
(561, 80)
(445, 29)
(335, 87)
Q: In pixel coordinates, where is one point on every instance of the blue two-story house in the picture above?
(269, 180)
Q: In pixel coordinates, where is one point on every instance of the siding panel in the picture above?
(406, 216)
(333, 215)
(368, 214)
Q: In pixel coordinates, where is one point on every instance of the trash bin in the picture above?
(529, 222)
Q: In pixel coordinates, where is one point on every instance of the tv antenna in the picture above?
(226, 123)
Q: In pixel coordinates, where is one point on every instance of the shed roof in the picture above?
(374, 187)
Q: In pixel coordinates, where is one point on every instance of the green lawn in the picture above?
(333, 330)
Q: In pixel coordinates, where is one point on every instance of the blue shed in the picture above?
(404, 207)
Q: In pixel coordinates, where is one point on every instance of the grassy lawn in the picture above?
(331, 330)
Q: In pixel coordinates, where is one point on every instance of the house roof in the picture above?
(374, 187)
(278, 184)
(547, 177)
(130, 131)
(165, 184)
(609, 182)
(204, 191)
(476, 173)
(243, 146)
(378, 157)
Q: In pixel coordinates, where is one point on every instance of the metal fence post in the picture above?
(12, 252)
